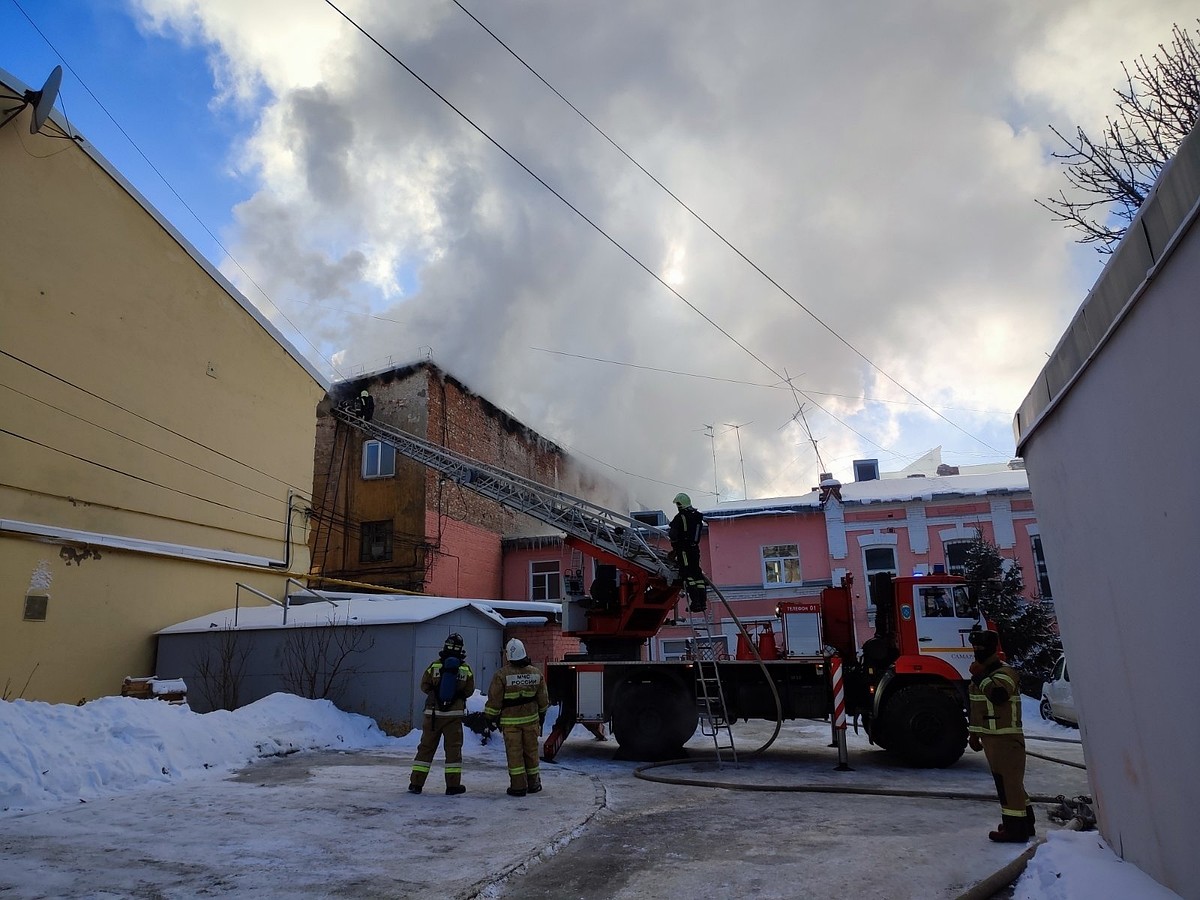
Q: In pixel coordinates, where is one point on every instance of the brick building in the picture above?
(384, 520)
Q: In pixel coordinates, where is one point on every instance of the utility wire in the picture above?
(36, 368)
(599, 230)
(718, 234)
(778, 386)
(171, 188)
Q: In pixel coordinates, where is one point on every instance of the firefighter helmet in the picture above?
(454, 645)
(515, 650)
(682, 499)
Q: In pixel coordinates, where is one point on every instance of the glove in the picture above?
(541, 721)
(975, 743)
(494, 723)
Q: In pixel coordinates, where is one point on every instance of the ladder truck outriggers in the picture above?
(907, 683)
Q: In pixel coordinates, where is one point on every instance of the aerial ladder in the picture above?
(637, 606)
(621, 613)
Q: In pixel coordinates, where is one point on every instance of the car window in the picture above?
(1059, 668)
(1066, 674)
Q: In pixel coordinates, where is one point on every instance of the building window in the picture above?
(376, 545)
(1039, 563)
(876, 560)
(684, 648)
(781, 564)
(379, 460)
(545, 582)
(956, 557)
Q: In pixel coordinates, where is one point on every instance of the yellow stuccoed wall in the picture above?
(138, 399)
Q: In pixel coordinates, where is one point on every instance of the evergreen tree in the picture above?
(1026, 628)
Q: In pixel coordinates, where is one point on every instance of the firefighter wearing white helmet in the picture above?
(517, 703)
(684, 533)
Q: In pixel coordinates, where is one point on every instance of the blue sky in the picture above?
(882, 167)
(157, 90)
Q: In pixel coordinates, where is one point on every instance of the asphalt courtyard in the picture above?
(343, 825)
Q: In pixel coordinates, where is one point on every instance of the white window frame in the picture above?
(781, 562)
(540, 580)
(1040, 570)
(378, 460)
(946, 545)
(868, 572)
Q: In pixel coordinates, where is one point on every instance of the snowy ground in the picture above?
(137, 778)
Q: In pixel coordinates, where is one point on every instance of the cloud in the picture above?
(880, 165)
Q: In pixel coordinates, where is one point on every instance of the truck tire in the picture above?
(653, 721)
(925, 726)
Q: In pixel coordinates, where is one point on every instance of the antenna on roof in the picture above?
(42, 102)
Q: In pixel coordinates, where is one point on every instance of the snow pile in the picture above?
(50, 753)
(1079, 865)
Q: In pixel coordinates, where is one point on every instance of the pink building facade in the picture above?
(762, 552)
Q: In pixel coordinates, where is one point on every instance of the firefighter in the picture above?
(447, 683)
(516, 703)
(364, 406)
(995, 728)
(684, 533)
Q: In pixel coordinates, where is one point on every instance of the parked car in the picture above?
(1057, 702)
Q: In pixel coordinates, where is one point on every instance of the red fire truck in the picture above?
(906, 684)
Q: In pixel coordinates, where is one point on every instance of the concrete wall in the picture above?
(1107, 434)
(150, 414)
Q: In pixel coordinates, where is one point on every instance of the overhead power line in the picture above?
(718, 234)
(597, 228)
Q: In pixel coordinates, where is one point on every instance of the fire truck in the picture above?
(906, 684)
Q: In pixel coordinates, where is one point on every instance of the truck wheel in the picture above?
(653, 721)
(926, 726)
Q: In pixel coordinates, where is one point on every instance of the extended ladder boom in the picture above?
(612, 532)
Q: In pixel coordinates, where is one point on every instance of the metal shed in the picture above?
(364, 652)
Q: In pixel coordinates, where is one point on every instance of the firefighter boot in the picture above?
(1029, 820)
(697, 598)
(1012, 830)
(535, 784)
(416, 781)
(516, 792)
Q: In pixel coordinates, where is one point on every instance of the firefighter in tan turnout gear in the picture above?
(995, 728)
(447, 683)
(517, 702)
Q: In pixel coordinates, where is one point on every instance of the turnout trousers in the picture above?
(521, 748)
(439, 727)
(1006, 758)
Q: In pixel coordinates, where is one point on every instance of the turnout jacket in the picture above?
(432, 677)
(517, 696)
(995, 699)
(685, 529)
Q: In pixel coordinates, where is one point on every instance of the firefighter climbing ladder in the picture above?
(710, 695)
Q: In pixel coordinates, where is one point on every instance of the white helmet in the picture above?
(515, 650)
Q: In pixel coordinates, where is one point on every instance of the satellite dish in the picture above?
(43, 100)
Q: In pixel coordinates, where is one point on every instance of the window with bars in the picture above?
(376, 542)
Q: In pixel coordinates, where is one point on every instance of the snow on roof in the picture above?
(359, 609)
(886, 490)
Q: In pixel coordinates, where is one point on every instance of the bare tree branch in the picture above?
(1111, 176)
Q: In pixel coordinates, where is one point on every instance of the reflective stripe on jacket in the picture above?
(517, 696)
(432, 677)
(995, 699)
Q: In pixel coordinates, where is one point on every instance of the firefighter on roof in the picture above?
(447, 683)
(995, 728)
(517, 703)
